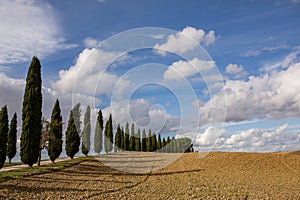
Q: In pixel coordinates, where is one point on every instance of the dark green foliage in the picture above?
(159, 145)
(76, 114)
(149, 141)
(132, 139)
(144, 141)
(122, 139)
(138, 141)
(12, 138)
(86, 134)
(164, 143)
(154, 142)
(32, 114)
(3, 135)
(108, 133)
(72, 135)
(118, 139)
(168, 145)
(55, 133)
(98, 138)
(184, 145)
(172, 145)
(179, 145)
(126, 137)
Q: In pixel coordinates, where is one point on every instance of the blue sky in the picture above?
(253, 48)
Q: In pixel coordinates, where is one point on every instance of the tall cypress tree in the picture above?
(32, 114)
(86, 134)
(138, 141)
(126, 137)
(98, 138)
(164, 143)
(108, 140)
(144, 141)
(122, 139)
(154, 142)
(76, 115)
(55, 133)
(149, 141)
(3, 135)
(72, 134)
(12, 138)
(159, 145)
(132, 139)
(118, 139)
(168, 145)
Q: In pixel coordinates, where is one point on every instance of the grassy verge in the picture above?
(12, 164)
(28, 171)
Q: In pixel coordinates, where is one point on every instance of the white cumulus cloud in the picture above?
(87, 72)
(236, 70)
(272, 96)
(255, 139)
(28, 28)
(186, 40)
(181, 69)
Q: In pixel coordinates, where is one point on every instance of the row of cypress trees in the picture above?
(8, 136)
(35, 136)
(134, 141)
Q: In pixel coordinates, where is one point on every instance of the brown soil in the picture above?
(216, 176)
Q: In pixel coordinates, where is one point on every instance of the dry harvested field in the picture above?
(216, 176)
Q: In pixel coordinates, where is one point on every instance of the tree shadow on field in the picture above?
(85, 173)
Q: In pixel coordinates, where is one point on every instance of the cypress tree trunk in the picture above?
(3, 135)
(32, 114)
(55, 134)
(98, 138)
(12, 138)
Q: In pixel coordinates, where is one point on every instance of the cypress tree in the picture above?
(122, 139)
(149, 141)
(86, 134)
(108, 140)
(3, 135)
(98, 138)
(159, 145)
(72, 135)
(172, 146)
(126, 137)
(132, 139)
(32, 114)
(177, 145)
(76, 115)
(168, 145)
(12, 138)
(138, 141)
(55, 133)
(118, 139)
(144, 141)
(154, 142)
(164, 143)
